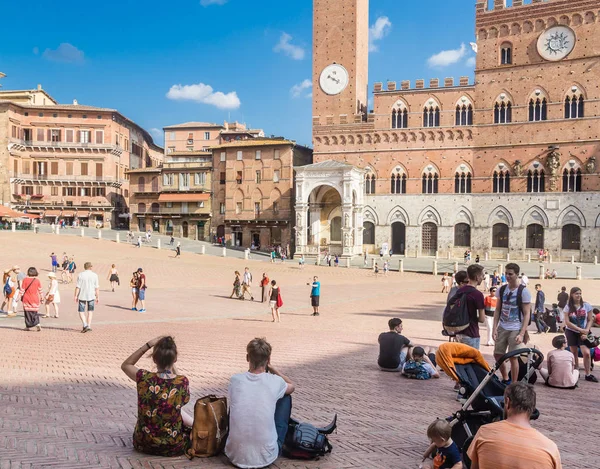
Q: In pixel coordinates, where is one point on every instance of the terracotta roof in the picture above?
(183, 197)
(255, 142)
(187, 125)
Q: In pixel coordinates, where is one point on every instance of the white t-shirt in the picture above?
(252, 440)
(87, 282)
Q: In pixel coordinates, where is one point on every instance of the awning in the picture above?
(83, 214)
(68, 213)
(7, 212)
(52, 213)
(183, 197)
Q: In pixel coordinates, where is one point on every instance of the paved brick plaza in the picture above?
(66, 403)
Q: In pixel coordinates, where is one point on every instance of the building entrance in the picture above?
(399, 238)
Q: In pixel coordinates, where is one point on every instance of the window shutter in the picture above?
(49, 134)
(77, 136)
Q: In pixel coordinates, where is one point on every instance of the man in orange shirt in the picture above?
(513, 443)
(264, 285)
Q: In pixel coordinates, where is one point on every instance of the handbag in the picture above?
(279, 300)
(305, 441)
(50, 299)
(591, 341)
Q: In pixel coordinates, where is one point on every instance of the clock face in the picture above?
(556, 43)
(334, 79)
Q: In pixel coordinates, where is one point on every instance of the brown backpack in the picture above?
(211, 427)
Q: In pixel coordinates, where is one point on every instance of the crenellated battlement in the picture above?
(484, 6)
(420, 85)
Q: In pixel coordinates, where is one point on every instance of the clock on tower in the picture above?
(340, 58)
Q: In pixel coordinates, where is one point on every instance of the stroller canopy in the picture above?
(451, 354)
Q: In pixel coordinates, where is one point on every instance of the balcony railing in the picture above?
(21, 178)
(66, 146)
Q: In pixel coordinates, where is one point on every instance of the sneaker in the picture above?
(88, 329)
(591, 378)
(251, 298)
(84, 330)
(506, 382)
(133, 309)
(142, 311)
(38, 328)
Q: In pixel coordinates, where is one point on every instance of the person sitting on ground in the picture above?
(394, 348)
(513, 443)
(561, 371)
(260, 406)
(443, 450)
(596, 312)
(420, 366)
(163, 427)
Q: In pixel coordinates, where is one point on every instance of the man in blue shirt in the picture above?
(315, 294)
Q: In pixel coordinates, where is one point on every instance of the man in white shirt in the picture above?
(86, 295)
(247, 284)
(260, 406)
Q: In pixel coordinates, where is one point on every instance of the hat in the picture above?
(140, 269)
(51, 275)
(16, 267)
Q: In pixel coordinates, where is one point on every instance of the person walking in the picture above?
(113, 277)
(52, 296)
(247, 284)
(172, 241)
(178, 250)
(489, 304)
(87, 295)
(386, 268)
(301, 262)
(562, 299)
(365, 259)
(54, 260)
(445, 283)
(141, 287)
(579, 318)
(539, 310)
(9, 290)
(237, 286)
(275, 301)
(71, 270)
(133, 283)
(139, 242)
(315, 295)
(264, 285)
(31, 294)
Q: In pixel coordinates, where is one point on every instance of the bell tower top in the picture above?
(340, 59)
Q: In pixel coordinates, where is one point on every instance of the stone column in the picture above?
(99, 234)
(315, 225)
(347, 230)
(224, 252)
(358, 229)
(434, 269)
(579, 273)
(301, 228)
(118, 239)
(13, 227)
(541, 272)
(158, 244)
(203, 249)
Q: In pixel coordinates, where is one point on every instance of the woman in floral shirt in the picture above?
(162, 428)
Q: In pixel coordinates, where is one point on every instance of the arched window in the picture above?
(155, 208)
(155, 184)
(368, 233)
(501, 181)
(141, 184)
(464, 114)
(536, 181)
(462, 235)
(572, 180)
(462, 182)
(574, 104)
(500, 235)
(506, 54)
(431, 114)
(538, 109)
(430, 181)
(571, 237)
(398, 182)
(141, 208)
(535, 237)
(503, 112)
(399, 116)
(370, 184)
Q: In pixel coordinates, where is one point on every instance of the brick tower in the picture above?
(340, 37)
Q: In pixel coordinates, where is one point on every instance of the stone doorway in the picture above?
(399, 238)
(429, 239)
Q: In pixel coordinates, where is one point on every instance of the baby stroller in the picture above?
(479, 385)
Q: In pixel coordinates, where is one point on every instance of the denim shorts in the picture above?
(470, 341)
(142, 294)
(83, 303)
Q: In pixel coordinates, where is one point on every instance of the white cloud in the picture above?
(299, 88)
(156, 133)
(207, 3)
(204, 94)
(447, 57)
(378, 31)
(65, 53)
(284, 45)
(471, 61)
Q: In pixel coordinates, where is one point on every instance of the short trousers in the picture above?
(573, 338)
(506, 340)
(402, 362)
(272, 303)
(142, 294)
(133, 290)
(470, 341)
(314, 301)
(83, 303)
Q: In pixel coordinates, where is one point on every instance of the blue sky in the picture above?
(211, 60)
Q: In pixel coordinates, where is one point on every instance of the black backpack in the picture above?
(519, 301)
(305, 441)
(456, 316)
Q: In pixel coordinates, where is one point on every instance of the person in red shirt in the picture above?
(264, 285)
(32, 295)
(489, 304)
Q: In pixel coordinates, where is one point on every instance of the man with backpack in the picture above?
(512, 316)
(473, 301)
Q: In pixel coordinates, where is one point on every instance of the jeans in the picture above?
(82, 305)
(539, 322)
(470, 341)
(283, 412)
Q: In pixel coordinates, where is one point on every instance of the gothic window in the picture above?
(398, 182)
(431, 115)
(503, 112)
(571, 237)
(464, 114)
(500, 235)
(368, 233)
(538, 110)
(536, 181)
(430, 182)
(506, 54)
(535, 237)
(462, 182)
(572, 180)
(462, 235)
(574, 104)
(399, 116)
(501, 182)
(370, 184)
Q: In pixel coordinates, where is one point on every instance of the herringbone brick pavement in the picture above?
(66, 404)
